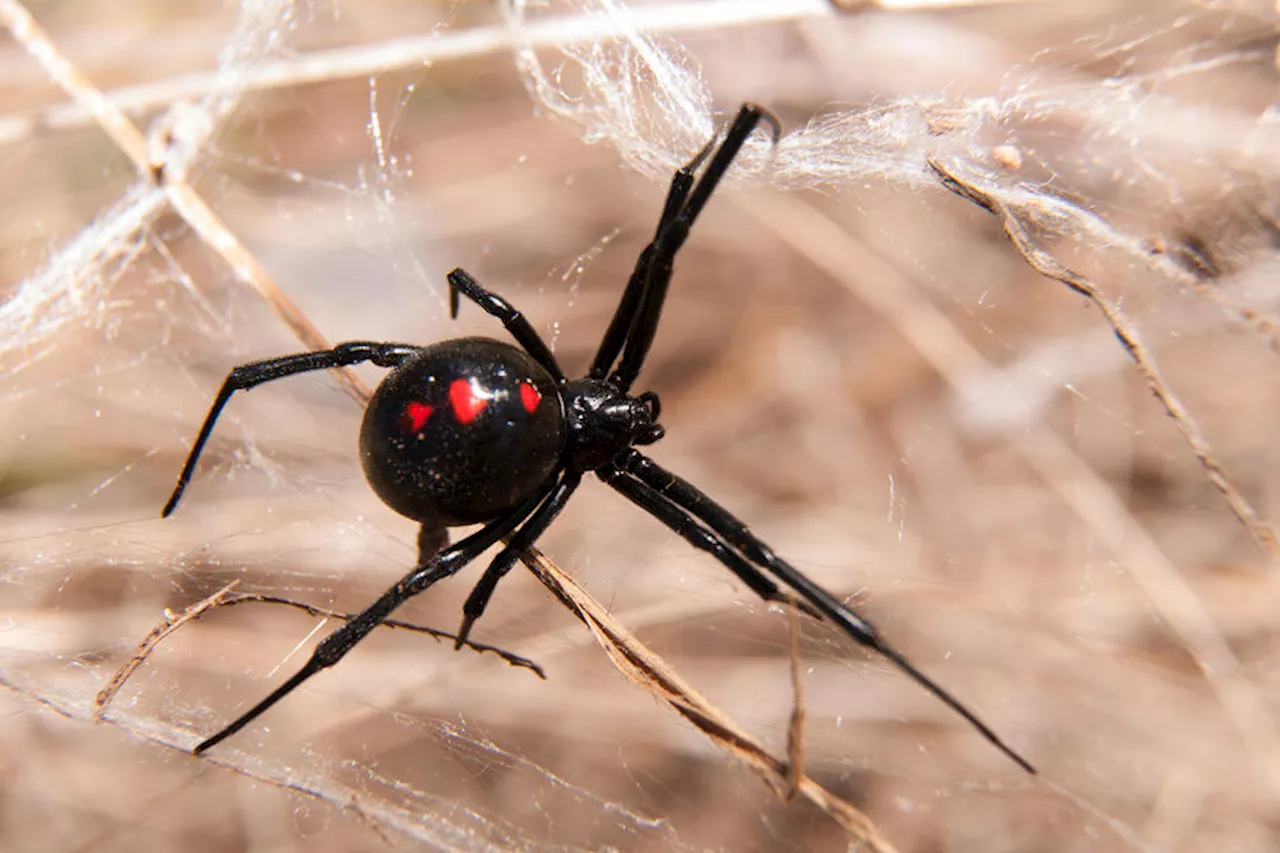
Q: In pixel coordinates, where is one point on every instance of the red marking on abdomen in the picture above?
(529, 396)
(415, 415)
(466, 402)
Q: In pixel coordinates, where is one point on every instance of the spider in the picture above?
(477, 431)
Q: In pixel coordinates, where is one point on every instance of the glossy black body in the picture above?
(474, 430)
(604, 421)
(447, 458)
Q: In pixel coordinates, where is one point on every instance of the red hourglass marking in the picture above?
(466, 402)
(415, 415)
(530, 397)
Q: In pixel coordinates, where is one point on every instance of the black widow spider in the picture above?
(474, 430)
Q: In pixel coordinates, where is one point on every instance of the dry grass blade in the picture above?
(173, 132)
(225, 597)
(795, 728)
(326, 613)
(1048, 266)
(37, 43)
(215, 234)
(153, 639)
(646, 669)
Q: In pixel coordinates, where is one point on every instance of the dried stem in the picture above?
(644, 668)
(1049, 266)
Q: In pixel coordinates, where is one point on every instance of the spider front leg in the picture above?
(514, 322)
(641, 306)
(255, 373)
(334, 647)
(623, 316)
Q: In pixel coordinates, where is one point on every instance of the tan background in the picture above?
(868, 375)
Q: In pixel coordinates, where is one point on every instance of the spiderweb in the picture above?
(985, 341)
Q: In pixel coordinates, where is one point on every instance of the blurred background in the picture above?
(853, 359)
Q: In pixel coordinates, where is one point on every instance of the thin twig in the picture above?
(225, 598)
(631, 657)
(154, 637)
(644, 668)
(215, 234)
(409, 52)
(795, 729)
(61, 71)
(324, 612)
(1047, 265)
(416, 51)
(148, 155)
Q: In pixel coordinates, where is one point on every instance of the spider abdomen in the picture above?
(462, 431)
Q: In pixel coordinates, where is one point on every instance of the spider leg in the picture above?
(432, 538)
(335, 646)
(519, 543)
(696, 534)
(658, 266)
(624, 315)
(686, 495)
(512, 319)
(247, 376)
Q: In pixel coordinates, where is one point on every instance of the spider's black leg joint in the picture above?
(432, 539)
(647, 307)
(696, 534)
(689, 497)
(247, 376)
(515, 322)
(335, 646)
(524, 538)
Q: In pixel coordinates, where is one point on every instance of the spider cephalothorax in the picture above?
(473, 431)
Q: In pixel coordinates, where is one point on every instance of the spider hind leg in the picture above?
(520, 542)
(335, 646)
(460, 281)
(690, 498)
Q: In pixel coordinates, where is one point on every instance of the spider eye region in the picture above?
(462, 431)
